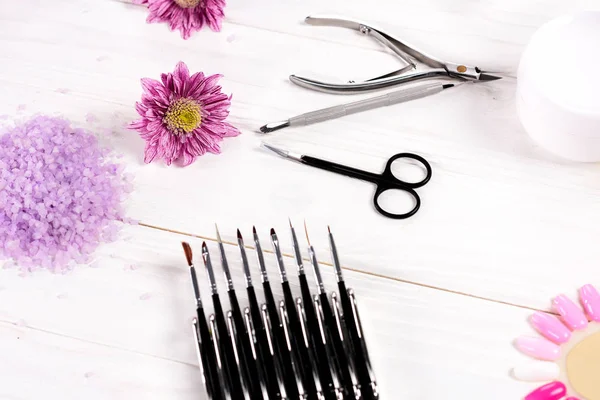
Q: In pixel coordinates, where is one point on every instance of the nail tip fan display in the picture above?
(308, 347)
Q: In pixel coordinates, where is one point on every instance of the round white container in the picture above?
(558, 86)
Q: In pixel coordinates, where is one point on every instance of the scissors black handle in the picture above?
(384, 181)
(389, 182)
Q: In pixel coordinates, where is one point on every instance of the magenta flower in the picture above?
(183, 116)
(186, 15)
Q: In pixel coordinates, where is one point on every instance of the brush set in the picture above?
(310, 347)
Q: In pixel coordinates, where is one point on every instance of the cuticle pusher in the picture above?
(342, 110)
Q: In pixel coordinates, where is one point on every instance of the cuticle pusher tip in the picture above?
(274, 126)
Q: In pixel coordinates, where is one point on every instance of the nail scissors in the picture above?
(385, 181)
(408, 54)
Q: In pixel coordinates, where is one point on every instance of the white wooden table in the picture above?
(503, 227)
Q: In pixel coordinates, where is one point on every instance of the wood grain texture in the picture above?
(122, 329)
(502, 222)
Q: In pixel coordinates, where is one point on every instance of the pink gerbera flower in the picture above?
(186, 15)
(183, 116)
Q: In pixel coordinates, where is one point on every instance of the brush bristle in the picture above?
(254, 230)
(187, 249)
(239, 234)
(306, 231)
(272, 231)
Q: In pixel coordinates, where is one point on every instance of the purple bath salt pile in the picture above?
(60, 194)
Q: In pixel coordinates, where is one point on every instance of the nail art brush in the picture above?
(206, 352)
(315, 344)
(306, 339)
(248, 372)
(363, 344)
(235, 337)
(226, 348)
(301, 352)
(333, 112)
(266, 321)
(347, 345)
(262, 351)
(223, 378)
(278, 333)
(256, 356)
(296, 366)
(332, 362)
(329, 322)
(367, 383)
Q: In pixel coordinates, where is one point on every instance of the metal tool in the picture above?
(288, 357)
(385, 181)
(409, 56)
(328, 113)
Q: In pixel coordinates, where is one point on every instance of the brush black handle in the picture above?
(338, 346)
(209, 358)
(298, 344)
(315, 342)
(226, 350)
(247, 365)
(263, 353)
(362, 371)
(280, 344)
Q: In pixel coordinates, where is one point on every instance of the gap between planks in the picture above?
(358, 271)
(93, 342)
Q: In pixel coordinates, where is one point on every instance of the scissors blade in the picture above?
(487, 77)
(283, 153)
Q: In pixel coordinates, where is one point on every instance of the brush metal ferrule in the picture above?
(316, 269)
(335, 259)
(297, 254)
(245, 263)
(209, 270)
(261, 259)
(279, 256)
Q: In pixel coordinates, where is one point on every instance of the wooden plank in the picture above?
(500, 219)
(122, 329)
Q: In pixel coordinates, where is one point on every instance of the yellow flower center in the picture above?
(187, 3)
(183, 116)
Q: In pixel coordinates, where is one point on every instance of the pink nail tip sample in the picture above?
(539, 348)
(590, 298)
(570, 312)
(550, 327)
(550, 391)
